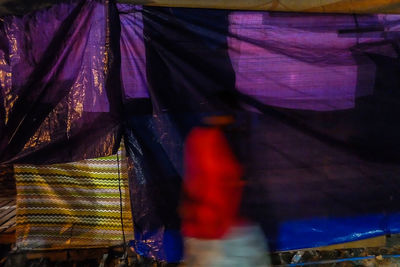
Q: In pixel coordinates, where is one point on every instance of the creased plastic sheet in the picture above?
(315, 97)
(154, 212)
(54, 99)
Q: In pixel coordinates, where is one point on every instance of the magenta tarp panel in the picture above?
(306, 61)
(133, 62)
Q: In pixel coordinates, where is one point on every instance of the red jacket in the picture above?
(212, 185)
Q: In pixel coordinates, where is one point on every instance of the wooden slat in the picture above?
(7, 217)
(7, 220)
(4, 210)
(3, 202)
(4, 214)
(320, 6)
(10, 223)
(8, 202)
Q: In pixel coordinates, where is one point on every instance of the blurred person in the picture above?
(215, 233)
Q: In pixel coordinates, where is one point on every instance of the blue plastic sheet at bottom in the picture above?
(322, 232)
(394, 224)
(299, 234)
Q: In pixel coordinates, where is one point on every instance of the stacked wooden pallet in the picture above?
(7, 220)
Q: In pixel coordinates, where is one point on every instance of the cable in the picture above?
(121, 210)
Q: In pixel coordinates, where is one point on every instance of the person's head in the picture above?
(218, 120)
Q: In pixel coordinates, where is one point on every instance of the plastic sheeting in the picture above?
(316, 107)
(54, 85)
(315, 98)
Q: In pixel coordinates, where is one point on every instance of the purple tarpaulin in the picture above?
(54, 104)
